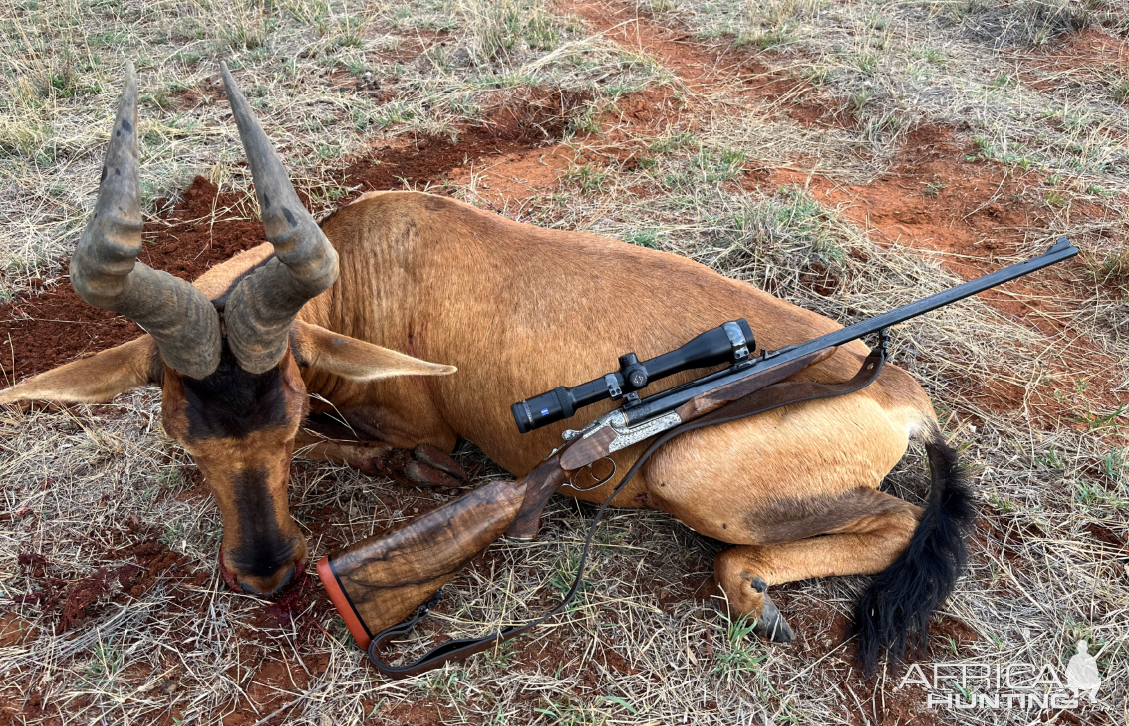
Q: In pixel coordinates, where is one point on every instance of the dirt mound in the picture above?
(74, 600)
(536, 118)
(46, 330)
(53, 327)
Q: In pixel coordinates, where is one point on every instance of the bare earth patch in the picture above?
(800, 146)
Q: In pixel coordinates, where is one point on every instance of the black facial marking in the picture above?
(266, 200)
(117, 171)
(127, 125)
(289, 217)
(262, 550)
(103, 175)
(233, 403)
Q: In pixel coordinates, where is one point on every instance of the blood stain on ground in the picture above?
(302, 604)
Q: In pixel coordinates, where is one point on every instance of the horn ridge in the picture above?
(106, 274)
(260, 309)
(259, 312)
(112, 239)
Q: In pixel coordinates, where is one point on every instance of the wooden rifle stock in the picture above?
(547, 477)
(379, 581)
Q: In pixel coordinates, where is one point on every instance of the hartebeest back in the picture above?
(517, 309)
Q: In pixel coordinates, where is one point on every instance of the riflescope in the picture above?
(727, 343)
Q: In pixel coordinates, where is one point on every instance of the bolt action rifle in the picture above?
(378, 582)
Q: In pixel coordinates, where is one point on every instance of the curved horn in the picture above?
(105, 272)
(261, 308)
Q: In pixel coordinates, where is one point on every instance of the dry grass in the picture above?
(327, 78)
(638, 648)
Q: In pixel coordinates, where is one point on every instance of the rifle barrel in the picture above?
(671, 399)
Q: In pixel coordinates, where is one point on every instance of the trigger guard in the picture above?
(599, 482)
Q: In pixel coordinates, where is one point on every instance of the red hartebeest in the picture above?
(517, 309)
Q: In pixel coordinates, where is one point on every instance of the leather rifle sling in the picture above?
(766, 399)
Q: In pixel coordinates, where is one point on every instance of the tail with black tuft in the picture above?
(894, 611)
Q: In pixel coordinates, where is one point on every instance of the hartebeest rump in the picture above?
(323, 309)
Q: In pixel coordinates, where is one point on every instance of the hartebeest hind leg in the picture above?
(866, 545)
(796, 507)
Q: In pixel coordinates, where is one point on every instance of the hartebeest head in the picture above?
(229, 368)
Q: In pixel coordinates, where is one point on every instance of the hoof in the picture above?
(771, 625)
(425, 466)
(428, 455)
(425, 476)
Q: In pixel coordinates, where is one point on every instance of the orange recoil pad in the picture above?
(340, 600)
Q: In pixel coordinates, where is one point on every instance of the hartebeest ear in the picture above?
(315, 347)
(93, 380)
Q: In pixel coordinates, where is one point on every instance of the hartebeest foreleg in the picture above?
(425, 465)
(367, 458)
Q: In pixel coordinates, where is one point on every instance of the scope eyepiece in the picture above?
(730, 342)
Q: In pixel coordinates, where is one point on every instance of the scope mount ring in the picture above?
(599, 482)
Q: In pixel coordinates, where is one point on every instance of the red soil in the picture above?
(46, 330)
(517, 123)
(979, 212)
(937, 196)
(206, 227)
(15, 630)
(821, 631)
(940, 197)
(74, 600)
(1090, 56)
(702, 69)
